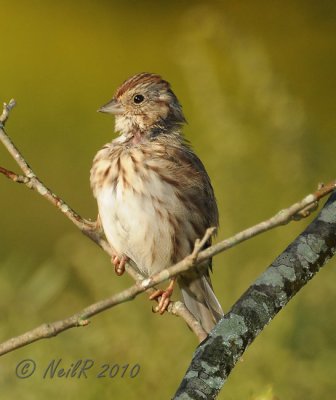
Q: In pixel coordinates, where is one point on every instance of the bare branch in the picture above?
(283, 217)
(82, 319)
(49, 330)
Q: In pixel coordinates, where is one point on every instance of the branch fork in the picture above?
(200, 243)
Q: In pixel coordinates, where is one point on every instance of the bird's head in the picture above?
(144, 104)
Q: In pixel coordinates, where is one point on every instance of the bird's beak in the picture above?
(112, 107)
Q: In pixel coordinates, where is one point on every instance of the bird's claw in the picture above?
(164, 300)
(119, 264)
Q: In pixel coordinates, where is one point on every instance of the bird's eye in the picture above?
(138, 98)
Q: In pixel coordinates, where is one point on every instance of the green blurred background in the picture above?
(257, 83)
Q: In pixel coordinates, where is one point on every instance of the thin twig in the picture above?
(82, 317)
(175, 307)
(199, 243)
(13, 176)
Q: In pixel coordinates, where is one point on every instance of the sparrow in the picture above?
(154, 195)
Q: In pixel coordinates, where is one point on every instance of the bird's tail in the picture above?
(200, 299)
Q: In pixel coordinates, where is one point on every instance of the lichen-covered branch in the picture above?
(215, 358)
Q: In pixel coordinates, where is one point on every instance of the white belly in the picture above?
(136, 219)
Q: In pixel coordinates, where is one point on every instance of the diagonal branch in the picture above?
(81, 318)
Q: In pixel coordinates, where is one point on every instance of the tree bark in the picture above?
(217, 355)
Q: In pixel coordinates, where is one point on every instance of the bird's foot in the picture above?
(119, 264)
(163, 297)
